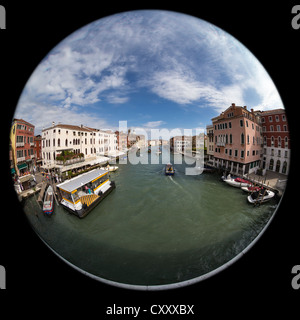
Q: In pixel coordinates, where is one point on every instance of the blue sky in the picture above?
(154, 69)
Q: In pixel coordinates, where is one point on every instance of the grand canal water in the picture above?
(155, 229)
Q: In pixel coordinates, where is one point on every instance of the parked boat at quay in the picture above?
(82, 193)
(111, 168)
(251, 188)
(261, 196)
(237, 182)
(48, 204)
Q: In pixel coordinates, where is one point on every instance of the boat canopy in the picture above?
(81, 180)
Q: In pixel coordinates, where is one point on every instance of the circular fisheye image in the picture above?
(149, 149)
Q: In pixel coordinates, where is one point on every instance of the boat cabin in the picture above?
(169, 169)
(81, 194)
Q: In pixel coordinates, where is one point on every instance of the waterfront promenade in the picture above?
(271, 179)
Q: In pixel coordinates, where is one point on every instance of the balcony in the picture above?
(20, 144)
(221, 144)
(68, 157)
(69, 161)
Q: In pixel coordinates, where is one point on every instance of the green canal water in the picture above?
(155, 229)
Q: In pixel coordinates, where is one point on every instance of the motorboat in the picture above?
(111, 168)
(251, 188)
(48, 204)
(260, 196)
(169, 169)
(238, 182)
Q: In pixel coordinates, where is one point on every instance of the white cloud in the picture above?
(183, 60)
(154, 124)
(44, 114)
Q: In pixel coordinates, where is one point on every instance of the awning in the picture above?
(92, 162)
(81, 180)
(22, 166)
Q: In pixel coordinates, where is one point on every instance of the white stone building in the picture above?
(89, 145)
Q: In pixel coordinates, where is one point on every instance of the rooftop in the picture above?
(23, 122)
(274, 111)
(81, 180)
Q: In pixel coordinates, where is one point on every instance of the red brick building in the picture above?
(38, 150)
(276, 141)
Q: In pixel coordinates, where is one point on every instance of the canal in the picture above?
(155, 229)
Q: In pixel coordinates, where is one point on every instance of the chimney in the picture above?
(53, 123)
(233, 105)
(252, 110)
(245, 107)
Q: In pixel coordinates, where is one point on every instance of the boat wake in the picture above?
(177, 184)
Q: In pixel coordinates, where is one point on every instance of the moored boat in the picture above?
(111, 168)
(238, 182)
(48, 204)
(251, 188)
(261, 196)
(169, 169)
(84, 192)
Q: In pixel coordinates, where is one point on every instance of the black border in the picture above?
(261, 280)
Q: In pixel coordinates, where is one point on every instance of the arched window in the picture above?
(271, 165)
(66, 143)
(277, 166)
(58, 142)
(284, 167)
(242, 138)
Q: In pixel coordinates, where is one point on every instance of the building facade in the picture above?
(122, 140)
(181, 143)
(237, 136)
(22, 147)
(276, 141)
(38, 150)
(84, 143)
